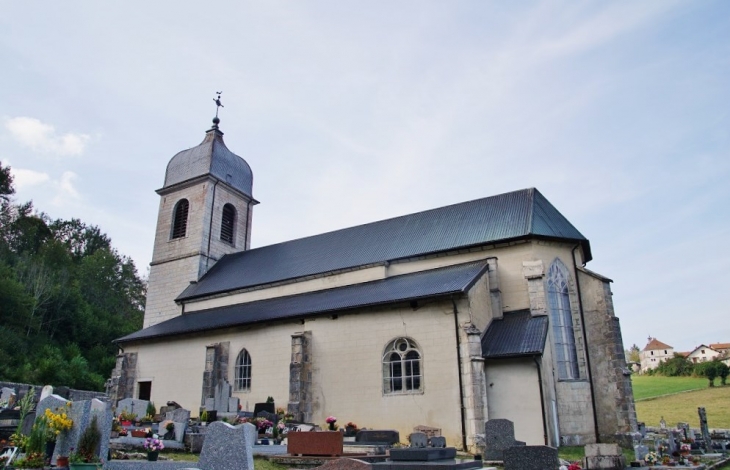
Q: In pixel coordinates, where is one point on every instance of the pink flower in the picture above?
(331, 420)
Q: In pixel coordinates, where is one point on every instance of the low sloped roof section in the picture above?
(508, 216)
(516, 334)
(408, 287)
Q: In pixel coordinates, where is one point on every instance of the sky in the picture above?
(350, 112)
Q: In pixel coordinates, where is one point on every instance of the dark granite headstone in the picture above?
(418, 440)
(259, 407)
(531, 458)
(227, 447)
(384, 436)
(274, 418)
(499, 435)
(438, 441)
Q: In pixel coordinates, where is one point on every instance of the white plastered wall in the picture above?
(513, 393)
(347, 368)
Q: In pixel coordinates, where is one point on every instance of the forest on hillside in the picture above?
(65, 294)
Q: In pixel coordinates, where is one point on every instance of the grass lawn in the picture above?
(647, 386)
(683, 408)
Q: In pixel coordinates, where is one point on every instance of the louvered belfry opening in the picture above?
(228, 223)
(180, 219)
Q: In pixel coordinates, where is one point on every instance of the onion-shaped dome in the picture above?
(211, 157)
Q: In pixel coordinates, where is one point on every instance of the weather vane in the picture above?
(218, 103)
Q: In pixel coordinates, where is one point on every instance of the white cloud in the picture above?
(66, 192)
(23, 178)
(42, 137)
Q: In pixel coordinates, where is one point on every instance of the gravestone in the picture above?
(603, 456)
(8, 395)
(46, 391)
(704, 429)
(531, 458)
(233, 405)
(222, 396)
(274, 418)
(210, 404)
(640, 452)
(178, 415)
(82, 413)
(499, 435)
(380, 436)
(674, 437)
(227, 447)
(642, 428)
(418, 440)
(259, 407)
(422, 454)
(133, 405)
(684, 427)
(438, 441)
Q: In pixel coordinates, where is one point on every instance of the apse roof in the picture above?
(408, 287)
(515, 215)
(516, 334)
(211, 157)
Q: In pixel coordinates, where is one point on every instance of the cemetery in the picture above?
(47, 430)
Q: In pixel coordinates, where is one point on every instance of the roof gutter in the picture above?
(585, 345)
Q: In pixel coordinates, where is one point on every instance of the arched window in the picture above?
(180, 219)
(402, 367)
(242, 381)
(561, 318)
(228, 223)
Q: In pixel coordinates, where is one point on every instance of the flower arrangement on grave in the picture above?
(31, 460)
(662, 449)
(153, 444)
(651, 458)
(126, 417)
(281, 428)
(666, 460)
(88, 444)
(685, 448)
(170, 426)
(574, 466)
(57, 422)
(332, 422)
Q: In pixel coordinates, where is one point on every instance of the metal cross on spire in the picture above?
(218, 103)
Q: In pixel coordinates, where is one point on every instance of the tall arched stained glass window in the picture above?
(561, 319)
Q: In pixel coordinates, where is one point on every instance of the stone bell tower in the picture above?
(205, 212)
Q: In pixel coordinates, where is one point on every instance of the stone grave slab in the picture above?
(227, 447)
(531, 458)
(422, 454)
(499, 435)
(438, 441)
(345, 464)
(640, 452)
(378, 436)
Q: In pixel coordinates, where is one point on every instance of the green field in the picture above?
(647, 386)
(676, 399)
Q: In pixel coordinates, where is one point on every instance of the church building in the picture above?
(444, 318)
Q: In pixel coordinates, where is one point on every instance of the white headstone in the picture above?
(46, 392)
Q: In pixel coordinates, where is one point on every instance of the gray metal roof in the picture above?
(509, 216)
(211, 157)
(408, 287)
(516, 334)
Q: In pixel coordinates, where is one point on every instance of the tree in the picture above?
(632, 354)
(722, 371)
(675, 367)
(708, 370)
(6, 183)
